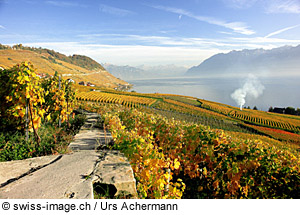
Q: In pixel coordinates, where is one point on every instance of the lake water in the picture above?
(278, 91)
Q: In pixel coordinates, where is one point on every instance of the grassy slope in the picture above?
(41, 61)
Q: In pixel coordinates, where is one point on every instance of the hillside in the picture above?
(212, 150)
(77, 67)
(281, 127)
(277, 61)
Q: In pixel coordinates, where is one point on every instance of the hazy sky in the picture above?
(135, 32)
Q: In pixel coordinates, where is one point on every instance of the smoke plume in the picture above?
(252, 87)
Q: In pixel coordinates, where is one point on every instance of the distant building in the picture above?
(82, 83)
(70, 80)
(42, 75)
(90, 84)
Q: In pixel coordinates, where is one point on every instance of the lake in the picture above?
(278, 91)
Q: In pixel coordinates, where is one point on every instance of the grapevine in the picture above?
(21, 91)
(26, 99)
(207, 162)
(59, 98)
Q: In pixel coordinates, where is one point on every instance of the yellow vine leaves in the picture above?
(21, 87)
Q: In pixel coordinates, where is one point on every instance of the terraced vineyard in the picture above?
(198, 148)
(129, 101)
(78, 68)
(263, 122)
(184, 147)
(178, 146)
(278, 134)
(213, 114)
(178, 159)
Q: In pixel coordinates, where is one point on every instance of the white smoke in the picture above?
(252, 87)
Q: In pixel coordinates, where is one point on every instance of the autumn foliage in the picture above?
(20, 88)
(197, 162)
(26, 99)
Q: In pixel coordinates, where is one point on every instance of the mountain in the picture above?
(76, 67)
(277, 61)
(169, 70)
(125, 72)
(144, 71)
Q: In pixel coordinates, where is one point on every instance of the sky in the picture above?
(150, 32)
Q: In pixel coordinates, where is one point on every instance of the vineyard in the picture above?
(78, 68)
(177, 149)
(129, 101)
(278, 134)
(215, 115)
(177, 159)
(178, 146)
(258, 120)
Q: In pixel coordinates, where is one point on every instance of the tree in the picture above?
(290, 110)
(4, 46)
(271, 109)
(18, 46)
(255, 108)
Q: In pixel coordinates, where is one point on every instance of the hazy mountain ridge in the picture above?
(276, 61)
(165, 70)
(144, 71)
(124, 72)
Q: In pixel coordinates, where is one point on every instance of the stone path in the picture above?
(70, 175)
(14, 170)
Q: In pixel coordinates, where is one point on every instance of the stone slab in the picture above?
(11, 170)
(114, 169)
(66, 178)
